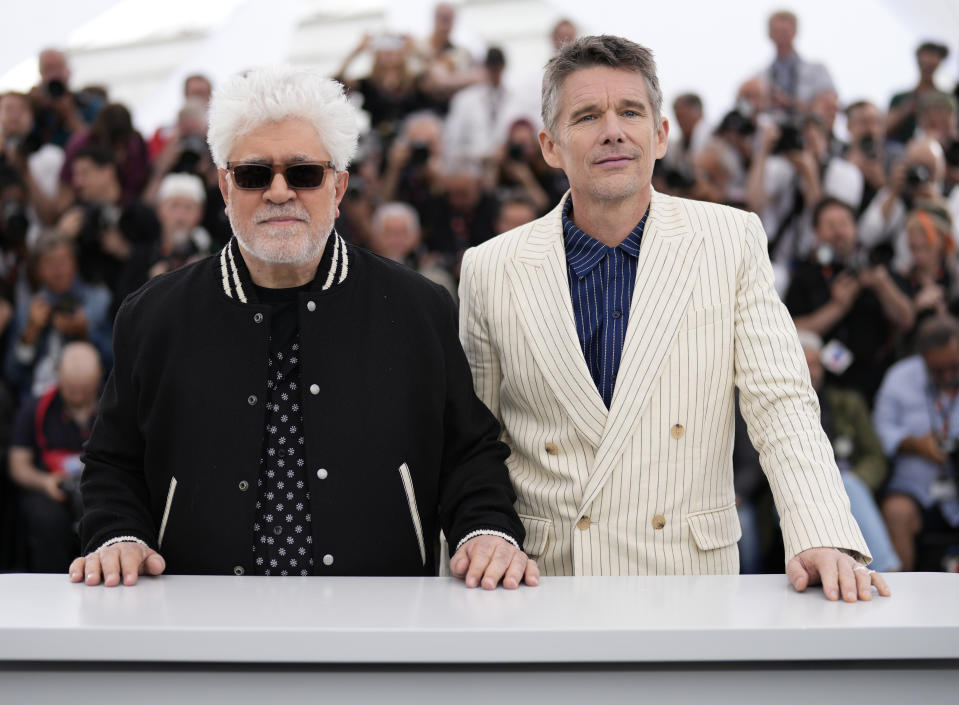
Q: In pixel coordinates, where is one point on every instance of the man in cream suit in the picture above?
(608, 337)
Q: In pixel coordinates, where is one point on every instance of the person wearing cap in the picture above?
(901, 120)
(292, 405)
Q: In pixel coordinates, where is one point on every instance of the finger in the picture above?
(880, 583)
(797, 574)
(863, 582)
(479, 559)
(496, 568)
(110, 565)
(131, 562)
(532, 573)
(76, 569)
(459, 563)
(515, 570)
(92, 569)
(847, 580)
(829, 577)
(155, 563)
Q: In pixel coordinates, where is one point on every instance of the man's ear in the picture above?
(662, 138)
(221, 179)
(548, 145)
(342, 180)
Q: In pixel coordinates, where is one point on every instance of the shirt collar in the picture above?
(584, 252)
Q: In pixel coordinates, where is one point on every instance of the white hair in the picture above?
(274, 93)
(394, 208)
(186, 185)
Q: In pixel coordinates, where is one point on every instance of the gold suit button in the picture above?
(552, 449)
(583, 523)
(659, 521)
(677, 431)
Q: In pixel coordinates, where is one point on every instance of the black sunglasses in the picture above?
(300, 175)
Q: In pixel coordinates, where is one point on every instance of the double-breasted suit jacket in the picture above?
(646, 486)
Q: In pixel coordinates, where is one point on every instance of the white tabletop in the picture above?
(438, 620)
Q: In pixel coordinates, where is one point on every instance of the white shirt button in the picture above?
(238, 570)
(328, 559)
(314, 389)
(251, 400)
(244, 485)
(258, 318)
(311, 306)
(322, 473)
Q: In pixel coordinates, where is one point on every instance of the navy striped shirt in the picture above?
(601, 281)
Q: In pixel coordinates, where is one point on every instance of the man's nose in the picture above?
(612, 127)
(279, 191)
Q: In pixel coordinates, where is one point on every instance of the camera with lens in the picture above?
(356, 188)
(65, 303)
(14, 225)
(107, 218)
(790, 139)
(192, 150)
(515, 152)
(56, 88)
(867, 145)
(916, 176)
(419, 153)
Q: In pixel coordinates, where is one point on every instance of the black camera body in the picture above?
(790, 139)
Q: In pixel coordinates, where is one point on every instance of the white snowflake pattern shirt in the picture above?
(282, 534)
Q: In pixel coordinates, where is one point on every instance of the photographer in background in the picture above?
(849, 300)
(44, 458)
(868, 149)
(918, 176)
(63, 309)
(60, 113)
(904, 107)
(931, 283)
(391, 90)
(38, 165)
(106, 231)
(183, 239)
(790, 172)
(519, 167)
(113, 131)
(413, 172)
(917, 419)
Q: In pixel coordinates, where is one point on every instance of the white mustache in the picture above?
(270, 213)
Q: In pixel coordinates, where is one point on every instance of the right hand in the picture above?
(128, 559)
(845, 290)
(51, 487)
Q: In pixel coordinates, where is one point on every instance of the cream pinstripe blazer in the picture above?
(647, 486)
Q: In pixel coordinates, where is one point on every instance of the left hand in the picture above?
(485, 560)
(837, 572)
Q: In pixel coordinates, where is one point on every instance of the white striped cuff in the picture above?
(122, 539)
(485, 532)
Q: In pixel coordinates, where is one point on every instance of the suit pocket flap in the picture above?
(715, 528)
(538, 532)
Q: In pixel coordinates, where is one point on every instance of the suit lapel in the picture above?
(544, 308)
(665, 276)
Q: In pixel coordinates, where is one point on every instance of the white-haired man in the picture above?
(618, 406)
(292, 405)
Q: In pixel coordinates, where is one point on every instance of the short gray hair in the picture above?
(394, 208)
(273, 93)
(602, 50)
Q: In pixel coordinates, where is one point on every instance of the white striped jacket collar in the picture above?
(233, 276)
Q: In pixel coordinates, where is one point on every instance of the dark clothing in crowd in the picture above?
(864, 330)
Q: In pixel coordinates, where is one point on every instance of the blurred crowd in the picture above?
(862, 230)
